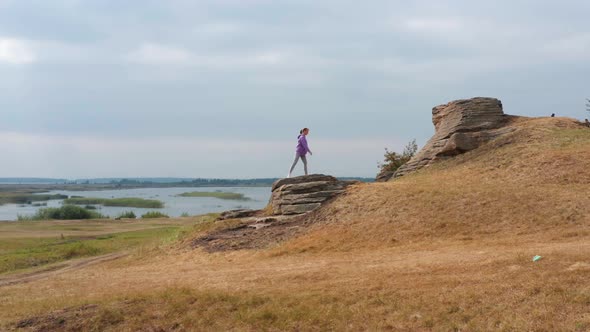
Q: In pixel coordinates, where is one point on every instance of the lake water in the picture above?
(174, 206)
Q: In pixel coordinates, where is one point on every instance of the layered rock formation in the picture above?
(460, 126)
(304, 193)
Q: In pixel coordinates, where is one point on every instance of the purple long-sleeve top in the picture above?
(302, 148)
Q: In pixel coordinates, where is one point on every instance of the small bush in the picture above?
(393, 160)
(127, 214)
(154, 214)
(185, 214)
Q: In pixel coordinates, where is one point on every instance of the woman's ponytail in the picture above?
(301, 132)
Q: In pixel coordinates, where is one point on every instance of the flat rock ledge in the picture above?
(237, 214)
(306, 193)
(460, 126)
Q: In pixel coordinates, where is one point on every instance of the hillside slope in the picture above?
(532, 181)
(448, 248)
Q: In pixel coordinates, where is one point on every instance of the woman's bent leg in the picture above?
(304, 159)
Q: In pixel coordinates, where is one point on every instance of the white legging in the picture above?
(303, 158)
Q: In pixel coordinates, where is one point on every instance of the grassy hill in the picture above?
(448, 248)
(533, 181)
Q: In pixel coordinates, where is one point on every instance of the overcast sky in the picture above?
(220, 88)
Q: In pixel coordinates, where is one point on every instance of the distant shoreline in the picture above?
(98, 184)
(38, 188)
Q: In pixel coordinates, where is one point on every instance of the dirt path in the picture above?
(58, 268)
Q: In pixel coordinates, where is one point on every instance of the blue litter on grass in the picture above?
(536, 258)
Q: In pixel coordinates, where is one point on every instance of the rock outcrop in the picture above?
(290, 199)
(460, 126)
(237, 214)
(384, 175)
(304, 193)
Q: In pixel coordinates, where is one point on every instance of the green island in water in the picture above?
(26, 197)
(123, 201)
(216, 194)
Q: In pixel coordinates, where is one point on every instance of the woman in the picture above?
(301, 150)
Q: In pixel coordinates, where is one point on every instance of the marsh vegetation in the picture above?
(27, 197)
(66, 212)
(154, 214)
(123, 202)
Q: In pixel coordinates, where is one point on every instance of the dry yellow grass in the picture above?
(448, 248)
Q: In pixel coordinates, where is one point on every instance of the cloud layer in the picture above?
(257, 71)
(14, 51)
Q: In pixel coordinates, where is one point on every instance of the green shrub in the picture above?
(154, 214)
(185, 214)
(66, 212)
(127, 214)
(393, 160)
